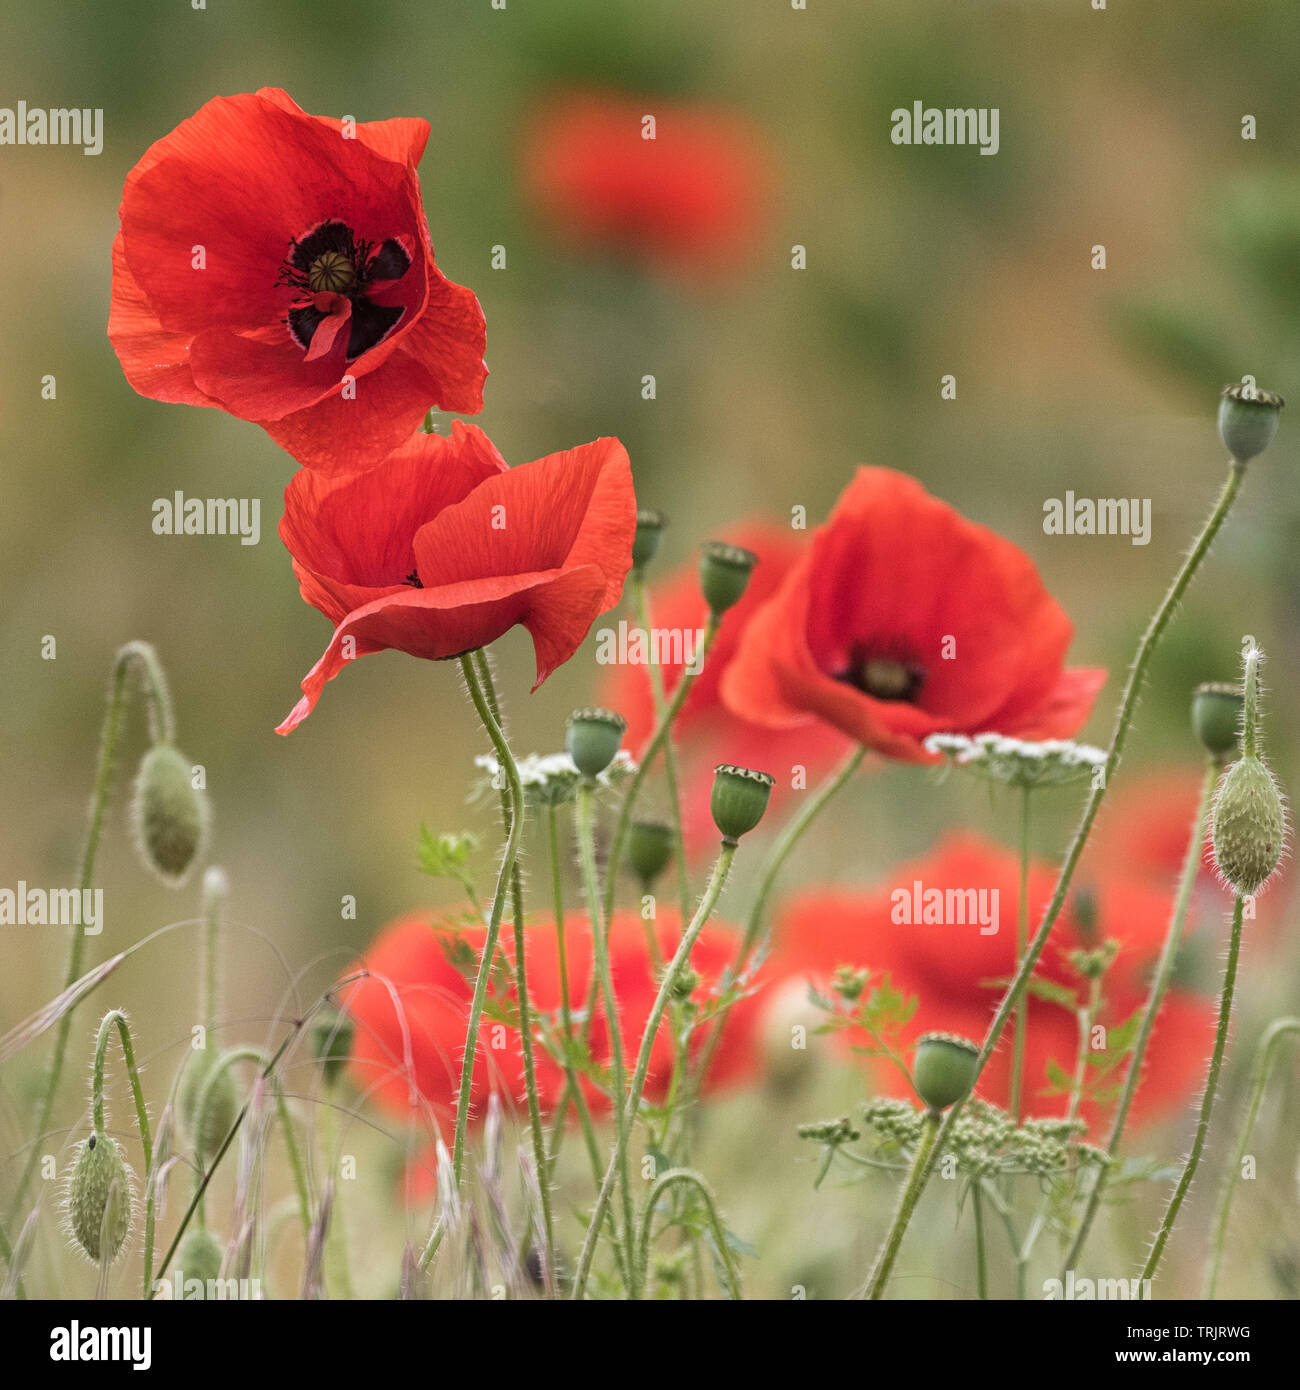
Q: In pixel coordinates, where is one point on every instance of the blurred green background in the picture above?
(1120, 127)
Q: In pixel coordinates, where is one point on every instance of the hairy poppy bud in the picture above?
(739, 800)
(724, 575)
(170, 816)
(200, 1255)
(1248, 829)
(331, 1042)
(1216, 717)
(944, 1069)
(649, 848)
(100, 1197)
(645, 543)
(1248, 420)
(207, 1110)
(592, 739)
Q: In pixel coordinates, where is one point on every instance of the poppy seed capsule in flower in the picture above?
(1248, 420)
(739, 801)
(645, 544)
(1248, 829)
(1216, 717)
(944, 1069)
(169, 814)
(649, 848)
(99, 1199)
(724, 575)
(592, 739)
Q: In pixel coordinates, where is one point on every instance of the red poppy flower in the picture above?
(954, 968)
(705, 731)
(278, 265)
(410, 1015)
(442, 548)
(903, 619)
(690, 199)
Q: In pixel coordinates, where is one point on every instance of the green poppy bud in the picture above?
(1248, 827)
(169, 815)
(1216, 717)
(649, 848)
(200, 1255)
(724, 575)
(219, 1101)
(1248, 420)
(740, 797)
(592, 739)
(944, 1069)
(100, 1198)
(331, 1042)
(645, 543)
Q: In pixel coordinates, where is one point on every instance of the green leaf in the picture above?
(446, 856)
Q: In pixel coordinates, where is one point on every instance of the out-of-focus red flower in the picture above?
(691, 199)
(279, 266)
(410, 1015)
(442, 548)
(903, 619)
(705, 731)
(951, 968)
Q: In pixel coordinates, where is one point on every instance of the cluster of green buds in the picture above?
(849, 982)
(840, 1131)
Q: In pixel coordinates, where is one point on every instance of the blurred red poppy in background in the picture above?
(278, 265)
(958, 972)
(442, 548)
(705, 731)
(430, 970)
(904, 619)
(683, 186)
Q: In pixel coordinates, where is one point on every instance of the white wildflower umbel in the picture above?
(550, 779)
(1017, 762)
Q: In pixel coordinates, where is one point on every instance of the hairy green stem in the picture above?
(907, 1201)
(688, 1176)
(116, 1018)
(1022, 940)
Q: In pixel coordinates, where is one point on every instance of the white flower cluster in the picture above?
(550, 779)
(1018, 762)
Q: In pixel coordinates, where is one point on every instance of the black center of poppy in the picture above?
(413, 579)
(883, 678)
(331, 260)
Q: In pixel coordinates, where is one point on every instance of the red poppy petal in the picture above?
(401, 138)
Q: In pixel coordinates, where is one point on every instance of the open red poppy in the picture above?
(904, 619)
(278, 265)
(442, 548)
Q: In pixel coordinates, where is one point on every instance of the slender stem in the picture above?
(1207, 1100)
(600, 949)
(907, 1201)
(512, 809)
(1155, 1000)
(627, 1112)
(981, 1262)
(1264, 1057)
(673, 1178)
(504, 875)
(1022, 940)
(1123, 720)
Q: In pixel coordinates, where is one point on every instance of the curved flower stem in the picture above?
(512, 810)
(162, 727)
(911, 1194)
(600, 949)
(1207, 1100)
(1123, 720)
(981, 1263)
(674, 1178)
(1022, 940)
(1159, 985)
(662, 727)
(116, 1018)
(627, 1111)
(1264, 1056)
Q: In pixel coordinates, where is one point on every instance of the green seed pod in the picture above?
(1216, 717)
(1248, 420)
(645, 544)
(649, 848)
(724, 575)
(944, 1069)
(592, 739)
(200, 1255)
(739, 800)
(1248, 829)
(169, 815)
(100, 1198)
(331, 1042)
(220, 1102)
